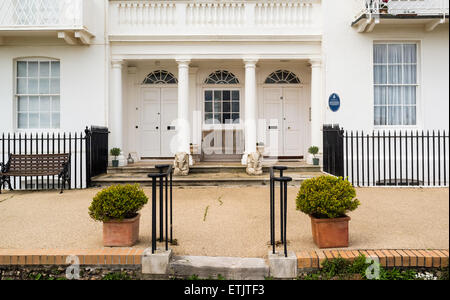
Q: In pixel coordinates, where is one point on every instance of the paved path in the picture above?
(236, 222)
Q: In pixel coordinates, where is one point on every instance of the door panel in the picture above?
(273, 115)
(169, 112)
(292, 132)
(150, 123)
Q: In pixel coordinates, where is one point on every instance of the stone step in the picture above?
(201, 179)
(232, 268)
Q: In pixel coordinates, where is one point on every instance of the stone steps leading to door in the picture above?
(210, 167)
(202, 179)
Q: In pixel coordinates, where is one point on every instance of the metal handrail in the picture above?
(165, 189)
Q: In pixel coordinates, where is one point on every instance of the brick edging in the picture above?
(104, 256)
(311, 259)
(388, 258)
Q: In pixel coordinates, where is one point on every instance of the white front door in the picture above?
(158, 115)
(282, 115)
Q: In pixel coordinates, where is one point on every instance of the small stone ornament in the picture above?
(181, 164)
(254, 163)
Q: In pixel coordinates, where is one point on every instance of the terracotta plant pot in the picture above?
(330, 233)
(123, 233)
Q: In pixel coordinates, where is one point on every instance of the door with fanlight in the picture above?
(283, 121)
(282, 111)
(158, 116)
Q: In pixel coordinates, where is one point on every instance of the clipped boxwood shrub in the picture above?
(326, 197)
(117, 202)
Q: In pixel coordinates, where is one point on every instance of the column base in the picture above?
(244, 159)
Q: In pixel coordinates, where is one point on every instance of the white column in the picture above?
(116, 109)
(316, 103)
(183, 106)
(250, 108)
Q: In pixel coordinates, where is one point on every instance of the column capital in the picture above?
(193, 70)
(132, 70)
(183, 62)
(250, 62)
(117, 63)
(315, 62)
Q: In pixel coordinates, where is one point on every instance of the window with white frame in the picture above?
(38, 93)
(395, 84)
(222, 106)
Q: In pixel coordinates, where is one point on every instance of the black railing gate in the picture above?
(333, 150)
(96, 152)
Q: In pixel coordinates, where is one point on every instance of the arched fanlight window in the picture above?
(160, 77)
(282, 77)
(221, 77)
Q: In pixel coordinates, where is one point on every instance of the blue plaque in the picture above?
(334, 102)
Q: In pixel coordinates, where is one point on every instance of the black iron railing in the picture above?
(88, 152)
(390, 158)
(283, 180)
(162, 180)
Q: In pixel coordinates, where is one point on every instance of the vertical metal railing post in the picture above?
(153, 214)
(271, 209)
(283, 206)
(165, 178)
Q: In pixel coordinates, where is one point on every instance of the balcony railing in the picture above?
(430, 13)
(43, 14)
(407, 7)
(213, 17)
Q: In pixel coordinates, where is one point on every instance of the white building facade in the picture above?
(216, 78)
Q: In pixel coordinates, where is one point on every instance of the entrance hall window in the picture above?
(222, 106)
(395, 84)
(38, 94)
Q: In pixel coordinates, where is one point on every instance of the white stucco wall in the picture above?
(83, 77)
(349, 71)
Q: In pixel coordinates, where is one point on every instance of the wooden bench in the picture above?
(35, 165)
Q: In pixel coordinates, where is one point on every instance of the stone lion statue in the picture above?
(254, 163)
(181, 164)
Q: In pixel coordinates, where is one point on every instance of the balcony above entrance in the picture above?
(429, 13)
(68, 19)
(210, 19)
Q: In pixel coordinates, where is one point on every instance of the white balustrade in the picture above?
(213, 17)
(284, 13)
(146, 13)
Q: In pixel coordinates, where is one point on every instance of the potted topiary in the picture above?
(327, 199)
(117, 207)
(115, 152)
(314, 150)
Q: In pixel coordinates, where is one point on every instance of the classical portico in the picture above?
(275, 114)
(242, 74)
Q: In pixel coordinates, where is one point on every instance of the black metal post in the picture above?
(171, 223)
(271, 207)
(283, 206)
(153, 214)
